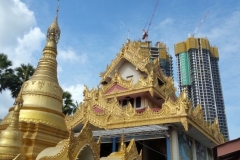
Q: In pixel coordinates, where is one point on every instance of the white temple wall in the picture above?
(128, 71)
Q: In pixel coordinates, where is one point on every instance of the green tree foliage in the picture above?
(13, 79)
(21, 74)
(6, 72)
(68, 106)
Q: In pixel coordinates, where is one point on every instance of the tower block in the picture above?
(41, 119)
(199, 75)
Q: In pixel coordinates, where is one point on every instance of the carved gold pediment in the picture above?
(137, 55)
(132, 153)
(118, 80)
(70, 148)
(150, 82)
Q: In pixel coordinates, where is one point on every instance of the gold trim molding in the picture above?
(114, 116)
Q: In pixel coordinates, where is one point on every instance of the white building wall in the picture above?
(128, 71)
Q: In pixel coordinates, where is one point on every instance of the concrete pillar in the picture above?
(168, 145)
(114, 144)
(174, 144)
(194, 150)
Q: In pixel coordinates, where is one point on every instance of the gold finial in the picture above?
(15, 117)
(54, 31)
(184, 94)
(122, 143)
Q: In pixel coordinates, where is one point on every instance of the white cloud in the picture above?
(19, 35)
(176, 85)
(166, 22)
(15, 19)
(76, 91)
(30, 43)
(70, 55)
(225, 34)
(59, 69)
(6, 101)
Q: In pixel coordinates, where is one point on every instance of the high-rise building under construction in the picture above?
(198, 74)
(160, 51)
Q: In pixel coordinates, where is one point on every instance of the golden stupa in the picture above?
(41, 120)
(135, 100)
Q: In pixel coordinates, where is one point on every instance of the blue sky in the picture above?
(94, 31)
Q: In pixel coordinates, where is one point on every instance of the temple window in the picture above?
(160, 83)
(135, 102)
(129, 77)
(124, 102)
(138, 102)
(131, 100)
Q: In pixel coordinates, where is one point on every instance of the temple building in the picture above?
(198, 73)
(133, 115)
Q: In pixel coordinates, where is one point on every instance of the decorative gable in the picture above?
(137, 53)
(116, 88)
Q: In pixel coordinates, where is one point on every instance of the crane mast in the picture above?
(145, 32)
(199, 25)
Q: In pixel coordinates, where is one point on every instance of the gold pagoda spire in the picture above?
(47, 69)
(123, 146)
(41, 114)
(41, 93)
(11, 139)
(53, 32)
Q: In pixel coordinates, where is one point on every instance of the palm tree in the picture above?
(21, 74)
(6, 72)
(68, 106)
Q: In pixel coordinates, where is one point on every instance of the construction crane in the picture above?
(145, 32)
(199, 25)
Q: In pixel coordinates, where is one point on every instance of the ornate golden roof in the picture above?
(101, 107)
(112, 115)
(69, 149)
(138, 54)
(135, 53)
